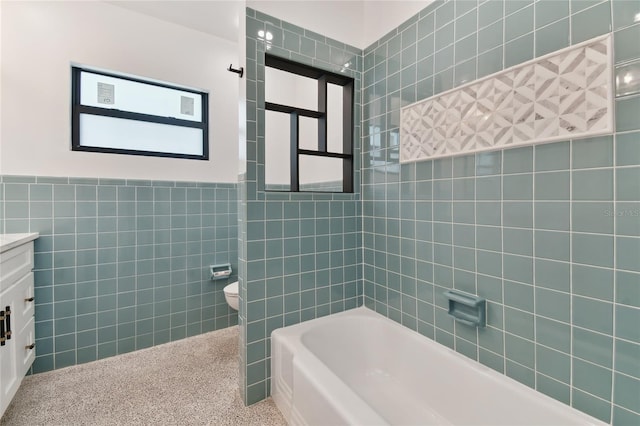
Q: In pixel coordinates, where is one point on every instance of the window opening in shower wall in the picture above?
(119, 114)
(308, 128)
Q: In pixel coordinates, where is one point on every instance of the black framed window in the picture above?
(309, 122)
(123, 115)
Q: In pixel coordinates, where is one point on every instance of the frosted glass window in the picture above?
(126, 115)
(97, 131)
(104, 91)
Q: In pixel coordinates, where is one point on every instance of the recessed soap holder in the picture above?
(219, 272)
(467, 308)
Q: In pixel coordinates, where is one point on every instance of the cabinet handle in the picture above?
(31, 346)
(2, 332)
(29, 299)
(7, 315)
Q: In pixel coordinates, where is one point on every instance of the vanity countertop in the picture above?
(9, 241)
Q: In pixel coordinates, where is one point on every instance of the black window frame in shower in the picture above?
(323, 77)
(77, 109)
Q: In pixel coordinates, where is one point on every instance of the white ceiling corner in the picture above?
(355, 22)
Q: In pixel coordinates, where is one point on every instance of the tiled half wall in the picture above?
(122, 265)
(300, 253)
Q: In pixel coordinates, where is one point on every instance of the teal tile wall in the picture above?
(549, 234)
(300, 253)
(122, 265)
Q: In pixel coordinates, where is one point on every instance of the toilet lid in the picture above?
(231, 288)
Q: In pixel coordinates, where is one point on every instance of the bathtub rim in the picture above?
(296, 331)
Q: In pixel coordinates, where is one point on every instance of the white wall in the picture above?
(40, 40)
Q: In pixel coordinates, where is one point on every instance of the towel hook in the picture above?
(240, 71)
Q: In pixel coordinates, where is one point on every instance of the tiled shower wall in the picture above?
(302, 252)
(122, 265)
(550, 234)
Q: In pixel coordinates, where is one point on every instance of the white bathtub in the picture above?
(360, 368)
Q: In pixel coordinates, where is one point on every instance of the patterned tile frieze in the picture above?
(566, 94)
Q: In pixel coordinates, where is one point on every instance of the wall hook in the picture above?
(240, 72)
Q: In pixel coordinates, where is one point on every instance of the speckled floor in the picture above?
(191, 381)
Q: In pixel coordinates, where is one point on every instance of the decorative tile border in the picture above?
(567, 94)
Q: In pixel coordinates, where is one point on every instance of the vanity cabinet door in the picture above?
(22, 309)
(25, 348)
(10, 372)
(17, 351)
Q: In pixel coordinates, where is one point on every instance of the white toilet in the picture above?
(231, 295)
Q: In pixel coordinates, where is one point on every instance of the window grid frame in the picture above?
(323, 77)
(77, 109)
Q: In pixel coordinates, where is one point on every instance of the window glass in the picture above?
(334, 118)
(285, 88)
(320, 173)
(98, 131)
(277, 151)
(308, 133)
(116, 93)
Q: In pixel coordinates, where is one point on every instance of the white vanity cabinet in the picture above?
(17, 327)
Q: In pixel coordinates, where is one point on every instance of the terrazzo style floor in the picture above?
(189, 382)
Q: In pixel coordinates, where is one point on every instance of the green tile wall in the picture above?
(300, 253)
(122, 265)
(548, 234)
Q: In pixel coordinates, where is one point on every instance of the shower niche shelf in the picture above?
(467, 308)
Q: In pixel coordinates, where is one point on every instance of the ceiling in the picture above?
(343, 20)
